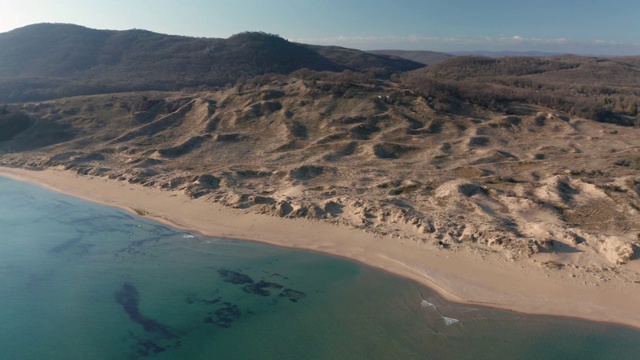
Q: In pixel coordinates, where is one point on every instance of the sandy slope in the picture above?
(464, 273)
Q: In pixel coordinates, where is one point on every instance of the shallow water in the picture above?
(86, 281)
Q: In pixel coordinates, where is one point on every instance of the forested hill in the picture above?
(45, 61)
(602, 89)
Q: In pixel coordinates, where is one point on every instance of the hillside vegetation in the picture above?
(47, 61)
(423, 57)
(606, 90)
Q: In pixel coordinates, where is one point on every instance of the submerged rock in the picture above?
(293, 295)
(235, 277)
(261, 288)
(128, 297)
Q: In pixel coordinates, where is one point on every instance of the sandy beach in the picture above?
(467, 276)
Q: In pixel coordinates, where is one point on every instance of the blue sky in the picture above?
(599, 27)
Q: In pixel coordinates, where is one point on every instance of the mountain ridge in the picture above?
(422, 56)
(45, 61)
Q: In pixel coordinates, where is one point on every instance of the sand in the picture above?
(465, 275)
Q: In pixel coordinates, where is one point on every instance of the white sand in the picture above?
(465, 276)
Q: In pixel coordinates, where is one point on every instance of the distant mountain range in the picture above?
(45, 61)
(424, 57)
(499, 54)
(434, 57)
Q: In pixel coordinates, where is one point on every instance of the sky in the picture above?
(591, 27)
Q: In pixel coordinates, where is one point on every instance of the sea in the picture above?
(80, 280)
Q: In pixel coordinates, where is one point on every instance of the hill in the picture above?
(499, 54)
(596, 88)
(45, 61)
(423, 57)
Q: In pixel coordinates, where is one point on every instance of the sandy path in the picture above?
(465, 276)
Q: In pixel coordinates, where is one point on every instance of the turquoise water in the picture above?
(84, 281)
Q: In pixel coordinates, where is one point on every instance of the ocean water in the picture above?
(85, 281)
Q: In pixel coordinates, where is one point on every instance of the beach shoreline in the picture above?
(464, 276)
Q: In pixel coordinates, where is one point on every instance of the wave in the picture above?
(447, 320)
(426, 304)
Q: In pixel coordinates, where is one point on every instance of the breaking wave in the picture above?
(426, 304)
(447, 320)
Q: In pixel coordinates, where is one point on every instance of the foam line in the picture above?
(447, 320)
